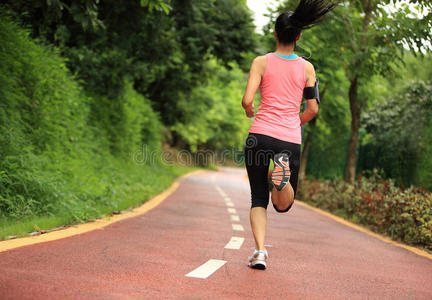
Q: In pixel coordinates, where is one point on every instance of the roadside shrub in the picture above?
(405, 215)
(43, 114)
(398, 138)
(127, 121)
(42, 107)
(57, 142)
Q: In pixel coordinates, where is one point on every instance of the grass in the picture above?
(137, 186)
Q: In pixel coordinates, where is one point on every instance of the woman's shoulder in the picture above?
(307, 63)
(309, 66)
(259, 63)
(262, 59)
(309, 73)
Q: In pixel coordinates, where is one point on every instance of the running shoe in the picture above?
(270, 183)
(281, 173)
(258, 260)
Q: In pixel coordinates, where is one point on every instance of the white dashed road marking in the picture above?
(231, 210)
(235, 243)
(206, 269)
(223, 194)
(235, 218)
(237, 227)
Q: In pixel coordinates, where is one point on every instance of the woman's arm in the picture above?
(255, 74)
(312, 104)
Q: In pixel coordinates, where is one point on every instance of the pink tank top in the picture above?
(281, 91)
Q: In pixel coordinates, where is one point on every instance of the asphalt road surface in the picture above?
(195, 245)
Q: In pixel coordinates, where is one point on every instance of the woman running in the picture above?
(283, 79)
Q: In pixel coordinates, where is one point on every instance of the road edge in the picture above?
(96, 224)
(365, 230)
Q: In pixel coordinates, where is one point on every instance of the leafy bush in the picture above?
(398, 138)
(379, 204)
(127, 121)
(42, 122)
(41, 106)
(62, 152)
(212, 116)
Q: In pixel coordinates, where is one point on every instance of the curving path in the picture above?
(195, 245)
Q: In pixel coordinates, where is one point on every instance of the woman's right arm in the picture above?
(312, 104)
(255, 74)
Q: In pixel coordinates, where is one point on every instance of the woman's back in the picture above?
(281, 92)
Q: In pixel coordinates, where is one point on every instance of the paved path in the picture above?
(148, 257)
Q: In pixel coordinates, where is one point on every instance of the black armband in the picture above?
(312, 92)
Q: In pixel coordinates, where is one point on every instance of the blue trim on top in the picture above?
(292, 56)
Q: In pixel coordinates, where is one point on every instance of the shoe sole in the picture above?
(258, 267)
(284, 179)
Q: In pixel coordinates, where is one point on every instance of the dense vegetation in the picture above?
(56, 158)
(90, 86)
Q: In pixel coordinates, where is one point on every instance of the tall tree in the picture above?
(159, 45)
(376, 34)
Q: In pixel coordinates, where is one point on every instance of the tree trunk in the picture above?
(305, 152)
(350, 170)
(356, 107)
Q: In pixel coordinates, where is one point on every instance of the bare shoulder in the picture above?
(260, 59)
(309, 74)
(309, 68)
(259, 63)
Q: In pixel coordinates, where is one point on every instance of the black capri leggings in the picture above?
(259, 149)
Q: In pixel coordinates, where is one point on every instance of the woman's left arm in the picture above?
(312, 104)
(255, 74)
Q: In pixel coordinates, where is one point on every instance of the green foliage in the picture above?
(211, 114)
(203, 29)
(66, 149)
(414, 68)
(63, 152)
(424, 166)
(101, 72)
(160, 46)
(127, 120)
(42, 108)
(400, 135)
(83, 14)
(381, 205)
(157, 4)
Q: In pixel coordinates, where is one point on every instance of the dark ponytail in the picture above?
(308, 13)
